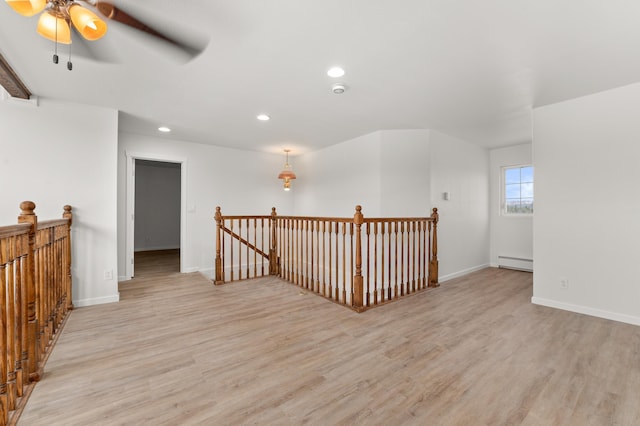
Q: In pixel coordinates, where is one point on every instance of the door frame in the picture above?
(131, 158)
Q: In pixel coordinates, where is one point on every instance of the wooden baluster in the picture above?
(425, 252)
(313, 252)
(357, 301)
(8, 256)
(351, 256)
(418, 259)
(413, 257)
(433, 263)
(231, 248)
(255, 244)
(337, 283)
(21, 312)
(274, 261)
(344, 265)
(402, 282)
(285, 243)
(296, 251)
(290, 239)
(305, 248)
(49, 284)
(395, 259)
(68, 214)
(5, 343)
(219, 277)
(324, 258)
(7, 317)
(368, 285)
(248, 238)
(262, 246)
(319, 290)
(28, 215)
(375, 263)
(240, 250)
(388, 251)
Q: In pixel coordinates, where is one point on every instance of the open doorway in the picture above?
(153, 165)
(156, 237)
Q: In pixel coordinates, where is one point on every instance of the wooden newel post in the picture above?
(358, 282)
(69, 280)
(274, 262)
(27, 215)
(433, 262)
(219, 278)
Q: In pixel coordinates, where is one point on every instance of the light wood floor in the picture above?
(179, 351)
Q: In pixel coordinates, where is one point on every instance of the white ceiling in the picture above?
(469, 68)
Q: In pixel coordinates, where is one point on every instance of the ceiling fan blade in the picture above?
(110, 11)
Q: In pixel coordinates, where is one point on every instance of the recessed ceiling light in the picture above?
(263, 117)
(164, 129)
(335, 72)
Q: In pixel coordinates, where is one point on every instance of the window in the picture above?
(518, 190)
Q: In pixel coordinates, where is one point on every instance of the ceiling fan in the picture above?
(58, 19)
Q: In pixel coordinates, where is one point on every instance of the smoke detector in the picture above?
(338, 88)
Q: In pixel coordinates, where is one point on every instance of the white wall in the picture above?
(332, 181)
(403, 173)
(462, 169)
(586, 154)
(56, 154)
(510, 235)
(240, 182)
(157, 206)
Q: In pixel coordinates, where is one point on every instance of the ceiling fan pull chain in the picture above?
(69, 64)
(55, 53)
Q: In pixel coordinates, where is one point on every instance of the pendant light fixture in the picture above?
(287, 174)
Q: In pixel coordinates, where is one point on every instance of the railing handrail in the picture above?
(14, 230)
(52, 223)
(242, 217)
(301, 245)
(35, 290)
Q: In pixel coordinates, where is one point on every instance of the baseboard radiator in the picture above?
(517, 263)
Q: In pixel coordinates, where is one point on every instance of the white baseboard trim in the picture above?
(123, 278)
(207, 272)
(97, 300)
(192, 269)
(614, 316)
(443, 278)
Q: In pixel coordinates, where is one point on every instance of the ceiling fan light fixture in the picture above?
(27, 7)
(88, 24)
(47, 28)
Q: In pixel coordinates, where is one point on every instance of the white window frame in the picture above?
(503, 195)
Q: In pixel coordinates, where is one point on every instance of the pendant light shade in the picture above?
(87, 23)
(27, 7)
(47, 28)
(287, 174)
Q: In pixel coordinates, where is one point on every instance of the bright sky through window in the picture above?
(518, 190)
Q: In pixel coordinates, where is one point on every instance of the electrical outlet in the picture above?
(108, 274)
(564, 283)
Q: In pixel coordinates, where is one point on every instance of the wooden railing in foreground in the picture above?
(35, 298)
(357, 262)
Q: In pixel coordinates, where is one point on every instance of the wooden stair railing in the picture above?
(357, 262)
(35, 299)
(253, 235)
